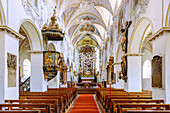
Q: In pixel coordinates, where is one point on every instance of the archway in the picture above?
(31, 49)
(24, 56)
(2, 15)
(51, 47)
(167, 21)
(139, 44)
(137, 36)
(34, 36)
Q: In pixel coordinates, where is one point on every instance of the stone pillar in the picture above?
(119, 82)
(58, 79)
(134, 79)
(161, 47)
(167, 68)
(108, 74)
(9, 76)
(54, 83)
(68, 76)
(37, 82)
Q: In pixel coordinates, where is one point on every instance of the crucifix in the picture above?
(124, 45)
(124, 42)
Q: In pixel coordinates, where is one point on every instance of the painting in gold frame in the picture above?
(157, 71)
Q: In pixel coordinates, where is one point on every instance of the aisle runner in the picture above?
(84, 104)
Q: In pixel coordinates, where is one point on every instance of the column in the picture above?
(58, 79)
(37, 82)
(167, 68)
(160, 47)
(65, 73)
(119, 82)
(9, 62)
(134, 83)
(108, 74)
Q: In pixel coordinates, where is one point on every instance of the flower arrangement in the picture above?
(86, 85)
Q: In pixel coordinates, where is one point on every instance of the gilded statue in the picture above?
(124, 66)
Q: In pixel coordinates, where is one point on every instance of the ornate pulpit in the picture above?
(52, 60)
(51, 64)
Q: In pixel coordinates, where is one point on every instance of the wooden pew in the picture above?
(20, 111)
(147, 111)
(67, 93)
(52, 102)
(62, 103)
(116, 101)
(125, 97)
(129, 106)
(43, 107)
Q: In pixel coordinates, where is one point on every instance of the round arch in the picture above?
(137, 36)
(51, 47)
(119, 54)
(33, 34)
(2, 15)
(167, 21)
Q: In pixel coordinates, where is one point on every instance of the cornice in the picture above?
(134, 54)
(35, 52)
(11, 31)
(158, 33)
(117, 63)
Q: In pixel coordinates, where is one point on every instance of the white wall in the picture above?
(159, 49)
(8, 44)
(11, 46)
(146, 82)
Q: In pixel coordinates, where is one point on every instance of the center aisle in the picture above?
(84, 104)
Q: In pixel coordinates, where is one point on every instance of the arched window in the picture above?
(26, 68)
(147, 69)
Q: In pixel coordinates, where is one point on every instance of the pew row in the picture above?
(43, 107)
(20, 111)
(53, 103)
(122, 107)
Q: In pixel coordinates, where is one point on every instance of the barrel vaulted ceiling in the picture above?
(86, 21)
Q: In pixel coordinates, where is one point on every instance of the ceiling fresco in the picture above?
(83, 17)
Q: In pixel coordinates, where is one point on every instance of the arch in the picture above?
(68, 62)
(75, 23)
(167, 21)
(147, 69)
(137, 36)
(87, 32)
(85, 13)
(51, 47)
(33, 34)
(119, 54)
(101, 5)
(2, 15)
(82, 37)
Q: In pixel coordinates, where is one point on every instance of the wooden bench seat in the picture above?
(147, 111)
(125, 97)
(52, 102)
(20, 111)
(43, 107)
(129, 106)
(62, 102)
(116, 101)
